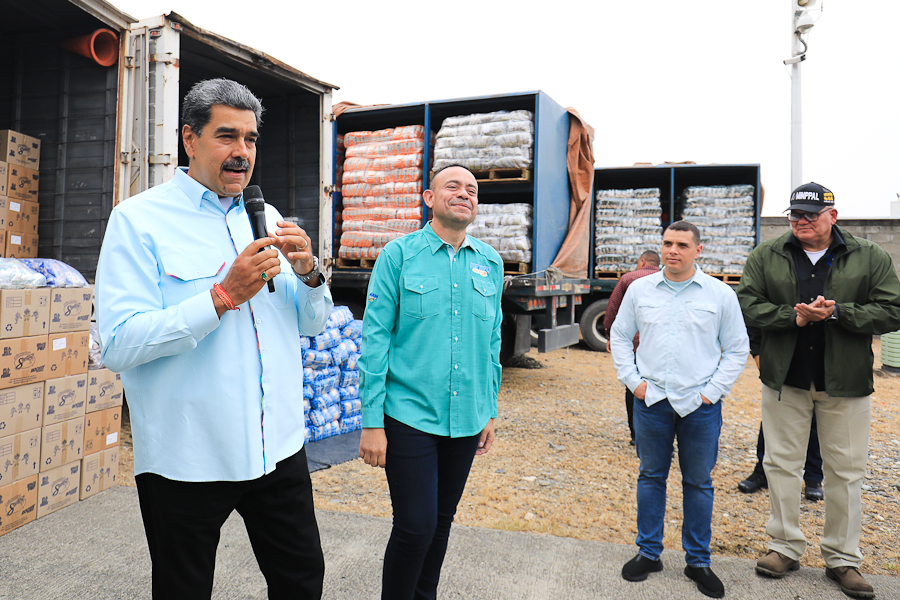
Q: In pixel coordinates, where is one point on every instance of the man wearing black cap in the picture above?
(818, 294)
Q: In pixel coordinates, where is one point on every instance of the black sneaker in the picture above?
(706, 581)
(754, 483)
(639, 567)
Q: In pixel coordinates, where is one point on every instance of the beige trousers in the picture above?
(844, 439)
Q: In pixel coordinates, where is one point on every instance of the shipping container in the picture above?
(109, 132)
(672, 181)
(544, 186)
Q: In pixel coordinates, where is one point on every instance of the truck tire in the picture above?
(591, 324)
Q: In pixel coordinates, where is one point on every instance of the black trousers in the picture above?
(183, 520)
(427, 475)
(629, 408)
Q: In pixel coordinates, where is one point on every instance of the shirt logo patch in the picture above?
(481, 269)
(372, 297)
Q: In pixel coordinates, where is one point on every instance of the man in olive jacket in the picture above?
(818, 294)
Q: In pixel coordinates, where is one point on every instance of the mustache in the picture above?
(236, 164)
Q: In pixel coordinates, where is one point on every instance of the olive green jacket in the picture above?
(862, 281)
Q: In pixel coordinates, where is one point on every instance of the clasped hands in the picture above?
(818, 310)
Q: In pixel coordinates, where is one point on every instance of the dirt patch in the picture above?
(562, 465)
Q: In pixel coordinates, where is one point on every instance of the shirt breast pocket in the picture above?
(188, 274)
(702, 314)
(485, 300)
(420, 297)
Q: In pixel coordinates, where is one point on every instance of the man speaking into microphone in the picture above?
(210, 359)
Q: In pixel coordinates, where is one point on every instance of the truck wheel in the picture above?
(591, 324)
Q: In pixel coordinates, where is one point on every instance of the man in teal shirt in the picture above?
(429, 376)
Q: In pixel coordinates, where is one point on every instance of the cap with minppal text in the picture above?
(811, 197)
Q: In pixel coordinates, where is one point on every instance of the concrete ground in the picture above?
(95, 550)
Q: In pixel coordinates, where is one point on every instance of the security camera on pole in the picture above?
(801, 23)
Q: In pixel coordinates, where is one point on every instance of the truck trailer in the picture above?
(530, 295)
(102, 93)
(672, 181)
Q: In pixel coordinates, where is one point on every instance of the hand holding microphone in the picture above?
(291, 240)
(256, 212)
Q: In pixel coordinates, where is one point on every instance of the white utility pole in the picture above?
(801, 23)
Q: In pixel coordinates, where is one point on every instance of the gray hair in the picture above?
(196, 109)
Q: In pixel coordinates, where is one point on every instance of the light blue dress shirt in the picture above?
(693, 341)
(210, 399)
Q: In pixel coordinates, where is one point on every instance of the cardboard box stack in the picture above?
(20, 157)
(59, 421)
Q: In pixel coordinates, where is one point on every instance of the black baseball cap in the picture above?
(811, 197)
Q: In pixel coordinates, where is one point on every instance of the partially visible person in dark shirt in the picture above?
(648, 263)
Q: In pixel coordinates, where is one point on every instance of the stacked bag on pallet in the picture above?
(725, 217)
(485, 141)
(506, 228)
(627, 223)
(381, 185)
(331, 377)
(340, 150)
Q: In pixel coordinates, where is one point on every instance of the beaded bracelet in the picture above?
(225, 298)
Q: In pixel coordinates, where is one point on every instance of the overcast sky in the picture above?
(699, 80)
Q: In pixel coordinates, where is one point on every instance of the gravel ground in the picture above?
(562, 465)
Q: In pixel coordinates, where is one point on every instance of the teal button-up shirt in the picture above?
(431, 336)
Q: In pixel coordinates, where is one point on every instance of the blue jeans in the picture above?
(655, 428)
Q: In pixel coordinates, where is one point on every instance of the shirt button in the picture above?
(265, 380)
(454, 393)
(455, 366)
(455, 285)
(455, 339)
(813, 275)
(455, 312)
(258, 321)
(421, 287)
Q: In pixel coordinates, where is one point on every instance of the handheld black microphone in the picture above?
(256, 211)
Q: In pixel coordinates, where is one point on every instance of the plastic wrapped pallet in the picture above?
(485, 141)
(627, 223)
(331, 377)
(382, 183)
(725, 216)
(506, 228)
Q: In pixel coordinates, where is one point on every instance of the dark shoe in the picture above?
(813, 491)
(775, 564)
(851, 582)
(706, 580)
(639, 567)
(754, 483)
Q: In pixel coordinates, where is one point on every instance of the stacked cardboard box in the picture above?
(20, 157)
(59, 422)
